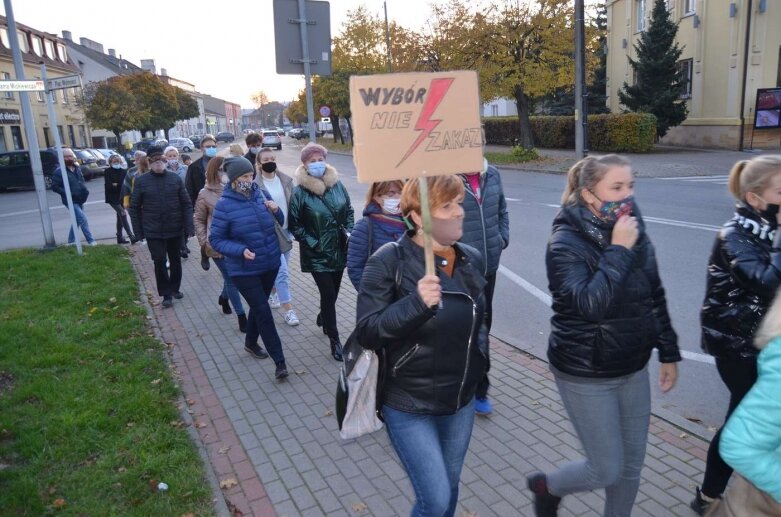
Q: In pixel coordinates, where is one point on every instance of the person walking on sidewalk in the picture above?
(381, 223)
(195, 178)
(254, 146)
(141, 167)
(609, 312)
(79, 194)
(321, 219)
(202, 218)
(487, 229)
(114, 178)
(171, 154)
(431, 331)
(280, 187)
(744, 272)
(161, 212)
(242, 230)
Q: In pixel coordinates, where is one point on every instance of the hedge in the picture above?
(620, 133)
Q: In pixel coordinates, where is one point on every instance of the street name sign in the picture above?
(59, 83)
(22, 86)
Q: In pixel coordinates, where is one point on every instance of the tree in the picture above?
(111, 105)
(259, 98)
(187, 105)
(296, 110)
(597, 90)
(659, 85)
(334, 91)
(157, 98)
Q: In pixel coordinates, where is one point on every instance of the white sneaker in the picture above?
(93, 243)
(273, 301)
(291, 318)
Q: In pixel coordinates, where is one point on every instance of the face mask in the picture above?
(255, 150)
(316, 169)
(391, 205)
(244, 186)
(173, 164)
(612, 211)
(210, 152)
(447, 231)
(70, 162)
(224, 179)
(116, 166)
(269, 167)
(770, 213)
(157, 167)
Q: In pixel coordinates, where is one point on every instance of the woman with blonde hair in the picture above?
(744, 272)
(141, 168)
(202, 217)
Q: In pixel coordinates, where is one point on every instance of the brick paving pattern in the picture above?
(277, 448)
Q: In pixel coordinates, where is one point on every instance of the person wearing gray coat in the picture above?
(487, 229)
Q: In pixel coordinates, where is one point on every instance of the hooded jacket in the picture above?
(113, 180)
(609, 305)
(385, 228)
(78, 186)
(433, 358)
(240, 223)
(744, 273)
(486, 223)
(159, 206)
(202, 217)
(311, 220)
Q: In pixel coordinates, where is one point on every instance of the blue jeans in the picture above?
(81, 222)
(611, 418)
(229, 290)
(260, 322)
(281, 282)
(432, 450)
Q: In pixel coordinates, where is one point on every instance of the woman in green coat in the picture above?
(321, 219)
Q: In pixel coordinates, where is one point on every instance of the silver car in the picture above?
(271, 139)
(182, 144)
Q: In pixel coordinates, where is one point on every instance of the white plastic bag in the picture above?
(361, 415)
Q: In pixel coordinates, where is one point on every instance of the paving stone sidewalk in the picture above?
(275, 448)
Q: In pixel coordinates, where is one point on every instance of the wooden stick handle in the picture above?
(425, 214)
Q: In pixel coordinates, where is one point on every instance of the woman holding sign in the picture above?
(321, 219)
(431, 331)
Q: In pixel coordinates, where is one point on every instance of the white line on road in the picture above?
(668, 222)
(58, 207)
(723, 177)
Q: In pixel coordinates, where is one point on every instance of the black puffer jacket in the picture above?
(744, 273)
(160, 207)
(486, 223)
(608, 302)
(434, 358)
(195, 179)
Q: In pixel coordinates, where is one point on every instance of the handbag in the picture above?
(285, 244)
(743, 499)
(359, 386)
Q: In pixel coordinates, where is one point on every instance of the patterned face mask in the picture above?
(244, 186)
(612, 211)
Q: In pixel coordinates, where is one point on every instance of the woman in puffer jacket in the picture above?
(744, 273)
(610, 312)
(243, 231)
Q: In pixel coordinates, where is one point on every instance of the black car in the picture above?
(224, 136)
(16, 171)
(196, 140)
(88, 163)
(302, 132)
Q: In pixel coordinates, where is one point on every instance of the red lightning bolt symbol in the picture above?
(436, 93)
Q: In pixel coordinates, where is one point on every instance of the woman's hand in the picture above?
(249, 255)
(668, 374)
(429, 290)
(625, 232)
(272, 206)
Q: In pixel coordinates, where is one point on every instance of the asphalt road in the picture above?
(682, 216)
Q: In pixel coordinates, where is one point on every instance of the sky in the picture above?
(224, 48)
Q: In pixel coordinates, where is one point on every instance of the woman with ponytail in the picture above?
(744, 273)
(609, 313)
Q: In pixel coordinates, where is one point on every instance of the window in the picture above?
(83, 135)
(685, 69)
(63, 54)
(50, 52)
(16, 136)
(40, 95)
(37, 46)
(4, 38)
(3, 146)
(494, 110)
(72, 135)
(640, 6)
(23, 42)
(7, 77)
(54, 96)
(62, 136)
(688, 6)
(65, 99)
(47, 137)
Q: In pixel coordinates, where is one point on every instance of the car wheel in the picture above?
(279, 147)
(47, 181)
(187, 149)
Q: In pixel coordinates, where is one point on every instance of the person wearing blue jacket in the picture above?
(79, 194)
(382, 223)
(751, 438)
(242, 230)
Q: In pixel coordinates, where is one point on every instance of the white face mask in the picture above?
(391, 205)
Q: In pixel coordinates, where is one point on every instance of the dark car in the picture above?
(302, 132)
(224, 136)
(89, 163)
(16, 171)
(196, 140)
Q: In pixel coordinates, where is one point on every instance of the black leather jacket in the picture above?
(433, 358)
(609, 305)
(744, 273)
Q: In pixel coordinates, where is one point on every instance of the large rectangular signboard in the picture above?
(767, 114)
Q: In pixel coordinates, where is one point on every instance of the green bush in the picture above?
(522, 154)
(620, 133)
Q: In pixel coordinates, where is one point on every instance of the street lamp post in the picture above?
(581, 111)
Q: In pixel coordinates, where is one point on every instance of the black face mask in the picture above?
(770, 213)
(269, 167)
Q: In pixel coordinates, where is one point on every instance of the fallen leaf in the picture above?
(112, 300)
(299, 372)
(228, 483)
(59, 502)
(91, 311)
(156, 382)
(152, 485)
(223, 450)
(328, 413)
(121, 470)
(468, 513)
(694, 419)
(359, 507)
(683, 435)
(712, 429)
(130, 424)
(200, 425)
(190, 402)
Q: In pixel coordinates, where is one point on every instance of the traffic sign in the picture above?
(287, 37)
(22, 86)
(325, 111)
(68, 81)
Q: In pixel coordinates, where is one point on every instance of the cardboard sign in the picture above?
(410, 125)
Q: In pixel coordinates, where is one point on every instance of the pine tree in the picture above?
(659, 85)
(597, 90)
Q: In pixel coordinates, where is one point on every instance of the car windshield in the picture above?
(84, 155)
(269, 134)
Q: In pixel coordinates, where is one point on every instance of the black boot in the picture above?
(121, 240)
(545, 503)
(243, 323)
(319, 322)
(336, 349)
(226, 308)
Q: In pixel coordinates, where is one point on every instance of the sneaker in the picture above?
(92, 243)
(167, 302)
(291, 318)
(281, 371)
(545, 503)
(273, 301)
(483, 407)
(699, 504)
(178, 295)
(256, 350)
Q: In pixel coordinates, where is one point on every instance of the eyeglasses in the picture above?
(208, 146)
(156, 160)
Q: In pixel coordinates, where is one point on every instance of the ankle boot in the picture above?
(336, 349)
(121, 240)
(242, 323)
(226, 308)
(319, 322)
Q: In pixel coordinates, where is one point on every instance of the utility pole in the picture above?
(30, 132)
(387, 39)
(310, 110)
(581, 107)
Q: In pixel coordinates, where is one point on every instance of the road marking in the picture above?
(58, 207)
(685, 178)
(668, 222)
(511, 199)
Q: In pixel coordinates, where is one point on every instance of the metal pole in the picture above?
(58, 146)
(30, 132)
(581, 113)
(310, 110)
(387, 38)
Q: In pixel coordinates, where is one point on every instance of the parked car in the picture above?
(224, 136)
(271, 139)
(293, 133)
(89, 164)
(196, 140)
(102, 161)
(182, 144)
(16, 171)
(280, 131)
(303, 132)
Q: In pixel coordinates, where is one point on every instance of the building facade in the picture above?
(37, 47)
(731, 49)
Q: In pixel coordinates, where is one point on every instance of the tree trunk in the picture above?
(336, 128)
(522, 102)
(166, 134)
(350, 126)
(118, 135)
